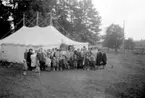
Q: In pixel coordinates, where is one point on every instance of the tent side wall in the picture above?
(15, 53)
(12, 53)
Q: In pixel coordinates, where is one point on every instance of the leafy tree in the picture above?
(79, 18)
(114, 37)
(4, 15)
(129, 44)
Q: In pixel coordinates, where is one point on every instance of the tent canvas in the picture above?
(43, 36)
(14, 46)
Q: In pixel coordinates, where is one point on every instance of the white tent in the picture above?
(14, 46)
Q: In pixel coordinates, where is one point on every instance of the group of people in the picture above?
(58, 59)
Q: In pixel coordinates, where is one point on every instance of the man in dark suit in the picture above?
(41, 58)
(29, 59)
(104, 59)
(99, 58)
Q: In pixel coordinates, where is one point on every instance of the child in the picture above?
(65, 62)
(37, 69)
(86, 63)
(54, 63)
(75, 62)
(61, 63)
(25, 67)
(48, 63)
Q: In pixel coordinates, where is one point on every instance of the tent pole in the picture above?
(23, 19)
(37, 18)
(51, 23)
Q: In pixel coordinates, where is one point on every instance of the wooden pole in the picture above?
(123, 32)
(37, 18)
(51, 23)
(124, 37)
(23, 19)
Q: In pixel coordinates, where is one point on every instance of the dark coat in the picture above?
(104, 58)
(99, 58)
(41, 57)
(29, 56)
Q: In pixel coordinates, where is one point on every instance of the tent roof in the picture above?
(38, 36)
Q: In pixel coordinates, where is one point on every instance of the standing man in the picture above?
(41, 58)
(98, 58)
(104, 59)
(29, 59)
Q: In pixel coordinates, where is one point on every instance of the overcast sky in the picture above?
(115, 11)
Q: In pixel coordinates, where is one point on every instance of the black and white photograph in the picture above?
(72, 48)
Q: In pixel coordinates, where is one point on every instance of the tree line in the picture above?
(76, 19)
(114, 38)
(79, 18)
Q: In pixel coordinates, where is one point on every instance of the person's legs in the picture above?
(79, 63)
(71, 63)
(29, 65)
(33, 68)
(51, 66)
(24, 72)
(75, 64)
(97, 64)
(25, 68)
(42, 65)
(41, 68)
(57, 66)
(91, 64)
(60, 65)
(104, 64)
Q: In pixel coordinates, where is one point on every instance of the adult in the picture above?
(99, 58)
(25, 67)
(33, 60)
(29, 59)
(41, 58)
(104, 59)
(25, 55)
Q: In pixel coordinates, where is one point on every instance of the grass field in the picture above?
(126, 79)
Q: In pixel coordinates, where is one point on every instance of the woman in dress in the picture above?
(33, 60)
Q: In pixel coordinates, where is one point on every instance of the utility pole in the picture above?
(123, 32)
(124, 36)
